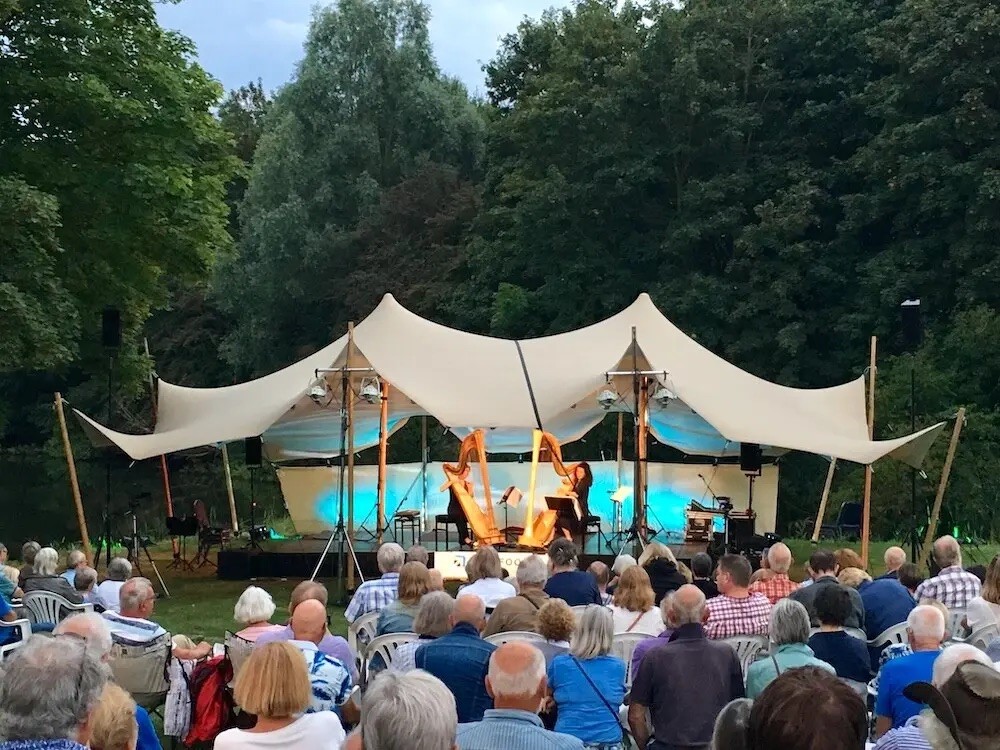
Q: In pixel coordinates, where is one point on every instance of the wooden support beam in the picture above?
(942, 486)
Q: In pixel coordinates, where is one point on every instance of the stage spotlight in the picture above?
(318, 392)
(370, 391)
(663, 396)
(607, 398)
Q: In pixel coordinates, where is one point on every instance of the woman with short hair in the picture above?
(556, 623)
(789, 631)
(485, 575)
(397, 617)
(432, 621)
(113, 725)
(588, 684)
(573, 586)
(632, 604)
(848, 655)
(274, 686)
(253, 611)
(45, 579)
(107, 591)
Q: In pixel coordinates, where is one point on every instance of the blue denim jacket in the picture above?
(460, 660)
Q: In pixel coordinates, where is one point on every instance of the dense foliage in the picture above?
(779, 175)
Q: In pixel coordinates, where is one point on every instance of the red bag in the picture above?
(212, 708)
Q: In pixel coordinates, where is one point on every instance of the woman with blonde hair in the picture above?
(113, 725)
(632, 609)
(985, 608)
(274, 686)
(665, 574)
(397, 617)
(486, 578)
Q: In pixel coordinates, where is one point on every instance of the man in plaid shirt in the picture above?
(778, 585)
(377, 594)
(953, 586)
(736, 611)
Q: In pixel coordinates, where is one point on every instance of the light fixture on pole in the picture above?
(319, 392)
(607, 398)
(663, 396)
(371, 391)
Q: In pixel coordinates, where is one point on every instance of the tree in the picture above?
(242, 114)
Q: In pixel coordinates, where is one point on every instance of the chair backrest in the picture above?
(857, 633)
(850, 514)
(982, 637)
(384, 646)
(23, 632)
(955, 618)
(361, 632)
(578, 610)
(142, 670)
(44, 606)
(622, 646)
(748, 648)
(498, 639)
(238, 650)
(895, 634)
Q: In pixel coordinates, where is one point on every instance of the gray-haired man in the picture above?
(521, 612)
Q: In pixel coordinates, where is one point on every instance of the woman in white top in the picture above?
(632, 604)
(985, 608)
(484, 571)
(106, 593)
(274, 685)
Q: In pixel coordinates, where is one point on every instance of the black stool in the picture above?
(593, 523)
(406, 520)
(444, 521)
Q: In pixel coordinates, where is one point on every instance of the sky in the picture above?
(243, 40)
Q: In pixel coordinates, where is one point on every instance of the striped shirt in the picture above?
(729, 616)
(775, 588)
(511, 729)
(373, 596)
(906, 737)
(953, 587)
(132, 631)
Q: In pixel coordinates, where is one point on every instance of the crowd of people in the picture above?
(685, 686)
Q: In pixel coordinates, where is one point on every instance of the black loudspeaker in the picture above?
(913, 330)
(111, 328)
(751, 457)
(252, 446)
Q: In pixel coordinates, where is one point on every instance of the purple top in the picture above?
(331, 645)
(646, 645)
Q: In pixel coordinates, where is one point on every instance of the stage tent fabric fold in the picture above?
(467, 381)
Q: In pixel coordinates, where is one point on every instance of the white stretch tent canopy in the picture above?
(468, 381)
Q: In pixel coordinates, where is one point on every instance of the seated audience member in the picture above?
(682, 716)
(48, 694)
(460, 658)
(619, 566)
(573, 586)
(4, 554)
(894, 558)
(435, 580)
(330, 678)
(731, 726)
(131, 624)
(887, 603)
(602, 574)
(661, 566)
(556, 623)
(485, 578)
(910, 578)
(113, 725)
(926, 631)
(8, 583)
(735, 611)
(45, 579)
(517, 685)
(915, 734)
(648, 644)
(953, 586)
(985, 609)
(406, 712)
(432, 621)
(806, 709)
(789, 633)
(28, 552)
(74, 560)
(418, 553)
(778, 585)
(701, 570)
(107, 592)
(848, 558)
(94, 631)
(521, 612)
(764, 572)
(273, 685)
(846, 654)
(254, 610)
(375, 595)
(823, 569)
(85, 583)
(397, 616)
(632, 609)
(588, 684)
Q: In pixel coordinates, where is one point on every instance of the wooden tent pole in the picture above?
(867, 507)
(383, 449)
(821, 513)
(74, 482)
(643, 455)
(942, 486)
(349, 406)
(229, 488)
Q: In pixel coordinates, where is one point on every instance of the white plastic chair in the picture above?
(955, 627)
(24, 633)
(983, 636)
(44, 606)
(384, 646)
(748, 648)
(238, 650)
(361, 632)
(623, 645)
(498, 639)
(857, 633)
(578, 610)
(895, 634)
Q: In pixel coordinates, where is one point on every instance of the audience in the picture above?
(602, 574)
(85, 582)
(521, 612)
(397, 616)
(273, 685)
(953, 586)
(330, 678)
(108, 591)
(846, 654)
(894, 558)
(735, 611)
(556, 623)
(661, 565)
(375, 595)
(254, 610)
(573, 586)
(848, 558)
(778, 585)
(460, 658)
(764, 572)
(823, 570)
(485, 578)
(28, 552)
(886, 602)
(432, 621)
(8, 582)
(647, 644)
(411, 711)
(682, 716)
(45, 579)
(516, 683)
(588, 683)
(925, 629)
(731, 726)
(113, 725)
(619, 566)
(435, 580)
(808, 709)
(74, 560)
(131, 624)
(910, 578)
(701, 571)
(632, 609)
(418, 553)
(789, 631)
(984, 609)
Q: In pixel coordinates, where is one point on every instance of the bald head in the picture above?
(894, 557)
(470, 609)
(309, 621)
(947, 552)
(516, 677)
(686, 606)
(779, 557)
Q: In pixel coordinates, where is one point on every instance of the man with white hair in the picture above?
(894, 558)
(74, 560)
(85, 582)
(410, 711)
(925, 629)
(377, 594)
(778, 585)
(521, 612)
(517, 683)
(132, 625)
(45, 579)
(954, 587)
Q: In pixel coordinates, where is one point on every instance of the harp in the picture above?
(482, 522)
(538, 532)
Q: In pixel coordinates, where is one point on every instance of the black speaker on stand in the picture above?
(751, 463)
(253, 450)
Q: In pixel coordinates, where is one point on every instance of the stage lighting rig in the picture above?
(663, 396)
(371, 391)
(607, 398)
(318, 392)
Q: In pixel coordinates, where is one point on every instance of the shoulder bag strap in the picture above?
(528, 600)
(777, 669)
(614, 712)
(634, 622)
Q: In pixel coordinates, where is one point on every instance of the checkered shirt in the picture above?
(373, 596)
(953, 587)
(729, 617)
(775, 588)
